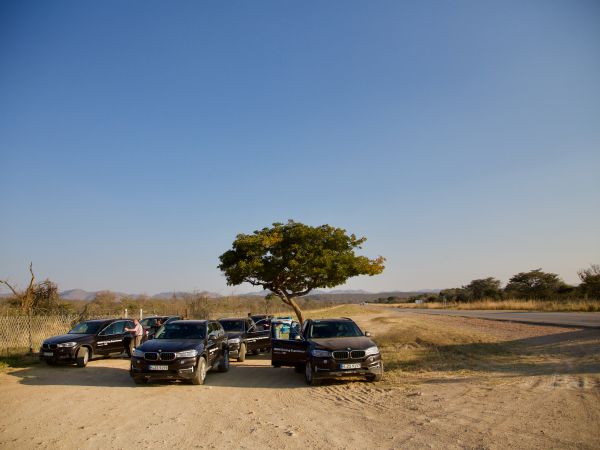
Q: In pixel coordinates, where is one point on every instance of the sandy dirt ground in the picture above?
(552, 400)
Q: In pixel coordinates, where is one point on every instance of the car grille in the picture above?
(353, 354)
(49, 346)
(153, 356)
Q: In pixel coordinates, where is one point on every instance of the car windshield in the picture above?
(148, 322)
(232, 325)
(86, 328)
(333, 329)
(182, 331)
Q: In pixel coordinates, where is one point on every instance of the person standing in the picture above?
(138, 332)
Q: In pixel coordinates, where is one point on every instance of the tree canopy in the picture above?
(292, 259)
(534, 284)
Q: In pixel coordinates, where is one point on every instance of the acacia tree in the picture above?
(534, 284)
(292, 259)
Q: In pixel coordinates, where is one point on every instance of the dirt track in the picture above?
(556, 405)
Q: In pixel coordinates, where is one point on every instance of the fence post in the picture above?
(141, 314)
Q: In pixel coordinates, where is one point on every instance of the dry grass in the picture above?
(515, 305)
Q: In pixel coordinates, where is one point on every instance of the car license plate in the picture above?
(350, 366)
(161, 367)
(48, 354)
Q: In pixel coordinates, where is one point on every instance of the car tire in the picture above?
(309, 374)
(200, 374)
(83, 356)
(276, 365)
(242, 353)
(376, 377)
(224, 364)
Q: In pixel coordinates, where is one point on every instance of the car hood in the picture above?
(171, 345)
(67, 338)
(344, 343)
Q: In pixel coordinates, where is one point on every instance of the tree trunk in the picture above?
(297, 310)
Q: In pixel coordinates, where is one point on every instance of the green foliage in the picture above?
(292, 259)
(590, 281)
(534, 284)
(483, 288)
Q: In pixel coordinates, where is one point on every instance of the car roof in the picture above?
(101, 320)
(333, 319)
(189, 321)
(234, 318)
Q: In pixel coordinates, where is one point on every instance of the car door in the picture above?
(287, 349)
(113, 335)
(104, 338)
(212, 342)
(258, 338)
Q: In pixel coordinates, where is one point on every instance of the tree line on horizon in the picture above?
(532, 285)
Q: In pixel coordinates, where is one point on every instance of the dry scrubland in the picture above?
(451, 382)
(514, 305)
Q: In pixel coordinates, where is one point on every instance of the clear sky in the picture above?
(138, 138)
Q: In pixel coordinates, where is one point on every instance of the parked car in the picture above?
(150, 324)
(243, 337)
(327, 348)
(181, 350)
(89, 339)
(262, 321)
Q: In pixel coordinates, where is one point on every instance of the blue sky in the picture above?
(138, 138)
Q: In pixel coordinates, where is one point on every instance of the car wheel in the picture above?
(242, 353)
(309, 375)
(83, 356)
(224, 364)
(200, 374)
(276, 365)
(376, 377)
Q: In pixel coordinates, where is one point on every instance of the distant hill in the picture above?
(335, 295)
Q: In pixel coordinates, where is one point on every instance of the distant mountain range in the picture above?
(80, 294)
(350, 294)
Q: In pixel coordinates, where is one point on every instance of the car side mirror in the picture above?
(368, 334)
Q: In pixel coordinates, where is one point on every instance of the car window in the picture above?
(333, 329)
(86, 328)
(119, 327)
(182, 331)
(232, 325)
(108, 330)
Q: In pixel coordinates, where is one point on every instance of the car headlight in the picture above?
(187, 354)
(67, 344)
(321, 353)
(372, 351)
(234, 341)
(137, 353)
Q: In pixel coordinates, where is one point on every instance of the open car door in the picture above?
(288, 348)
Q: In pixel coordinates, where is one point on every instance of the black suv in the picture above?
(103, 337)
(181, 350)
(327, 348)
(244, 336)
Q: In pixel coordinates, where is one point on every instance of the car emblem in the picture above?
(159, 350)
(348, 349)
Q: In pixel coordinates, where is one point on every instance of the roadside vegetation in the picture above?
(568, 305)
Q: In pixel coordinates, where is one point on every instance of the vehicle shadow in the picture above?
(65, 375)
